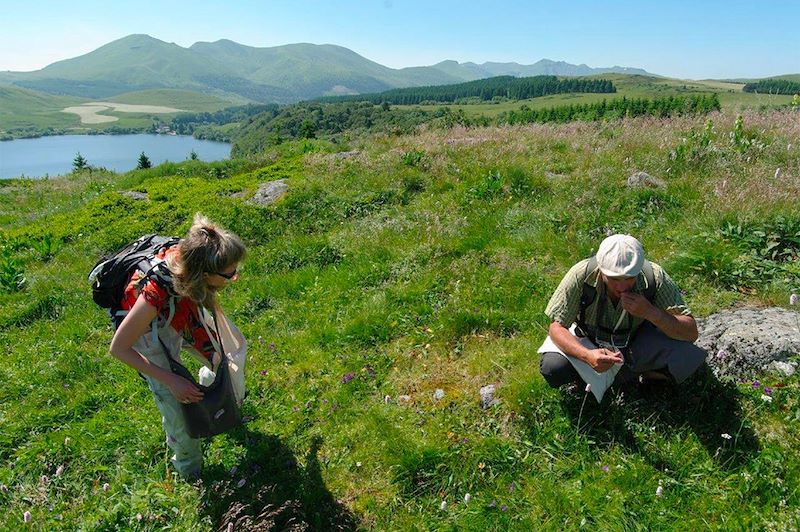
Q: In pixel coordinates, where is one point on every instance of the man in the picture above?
(616, 317)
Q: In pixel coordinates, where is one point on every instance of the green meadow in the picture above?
(416, 263)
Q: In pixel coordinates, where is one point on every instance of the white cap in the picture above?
(620, 256)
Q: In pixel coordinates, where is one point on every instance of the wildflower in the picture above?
(605, 468)
(793, 299)
(387, 399)
(443, 506)
(504, 508)
(467, 498)
(660, 491)
(767, 390)
(348, 377)
(756, 384)
(438, 394)
(44, 479)
(241, 483)
(512, 487)
(273, 348)
(766, 398)
(722, 354)
(493, 504)
(588, 388)
(777, 173)
(106, 486)
(59, 470)
(263, 373)
(358, 464)
(26, 516)
(67, 440)
(726, 436)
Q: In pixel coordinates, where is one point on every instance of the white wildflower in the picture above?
(106, 486)
(443, 506)
(59, 470)
(26, 516)
(793, 299)
(67, 440)
(467, 498)
(766, 398)
(660, 491)
(726, 435)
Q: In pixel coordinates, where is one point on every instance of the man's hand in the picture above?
(602, 359)
(184, 391)
(636, 304)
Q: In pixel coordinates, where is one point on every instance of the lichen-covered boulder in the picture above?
(743, 342)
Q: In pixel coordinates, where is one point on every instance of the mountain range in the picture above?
(240, 73)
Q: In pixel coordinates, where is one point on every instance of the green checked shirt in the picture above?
(565, 303)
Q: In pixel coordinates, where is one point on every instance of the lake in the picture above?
(53, 155)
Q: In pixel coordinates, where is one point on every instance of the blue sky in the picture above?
(684, 39)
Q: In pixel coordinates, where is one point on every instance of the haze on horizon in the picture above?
(682, 39)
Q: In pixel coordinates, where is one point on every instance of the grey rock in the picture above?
(784, 369)
(747, 341)
(645, 180)
(269, 193)
(487, 396)
(346, 155)
(138, 196)
(438, 394)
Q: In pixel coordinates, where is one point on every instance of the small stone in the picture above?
(438, 394)
(487, 396)
(784, 369)
(136, 195)
(645, 180)
(269, 193)
(777, 173)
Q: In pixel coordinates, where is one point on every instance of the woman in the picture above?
(159, 324)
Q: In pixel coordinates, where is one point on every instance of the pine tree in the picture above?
(144, 162)
(79, 163)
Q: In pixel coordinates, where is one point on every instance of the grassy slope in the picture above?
(179, 99)
(730, 94)
(411, 273)
(25, 108)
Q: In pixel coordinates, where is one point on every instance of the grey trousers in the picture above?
(650, 350)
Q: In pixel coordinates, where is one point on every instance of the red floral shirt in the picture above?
(186, 319)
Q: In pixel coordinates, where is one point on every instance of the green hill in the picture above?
(397, 266)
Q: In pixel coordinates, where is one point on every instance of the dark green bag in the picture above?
(218, 411)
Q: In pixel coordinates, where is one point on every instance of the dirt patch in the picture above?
(90, 113)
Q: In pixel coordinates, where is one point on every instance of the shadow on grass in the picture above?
(704, 404)
(278, 494)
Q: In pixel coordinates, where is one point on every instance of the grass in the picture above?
(425, 263)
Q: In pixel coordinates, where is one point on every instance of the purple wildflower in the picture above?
(512, 487)
(767, 390)
(493, 504)
(605, 468)
(348, 377)
(263, 373)
(756, 384)
(504, 508)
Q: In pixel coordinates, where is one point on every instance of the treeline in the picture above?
(318, 119)
(773, 86)
(187, 123)
(614, 109)
(312, 119)
(507, 87)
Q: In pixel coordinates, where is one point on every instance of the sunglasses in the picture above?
(228, 276)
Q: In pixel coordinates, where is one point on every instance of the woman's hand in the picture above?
(184, 391)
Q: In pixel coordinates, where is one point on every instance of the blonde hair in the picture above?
(206, 248)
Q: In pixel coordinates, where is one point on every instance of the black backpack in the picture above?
(589, 294)
(112, 273)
